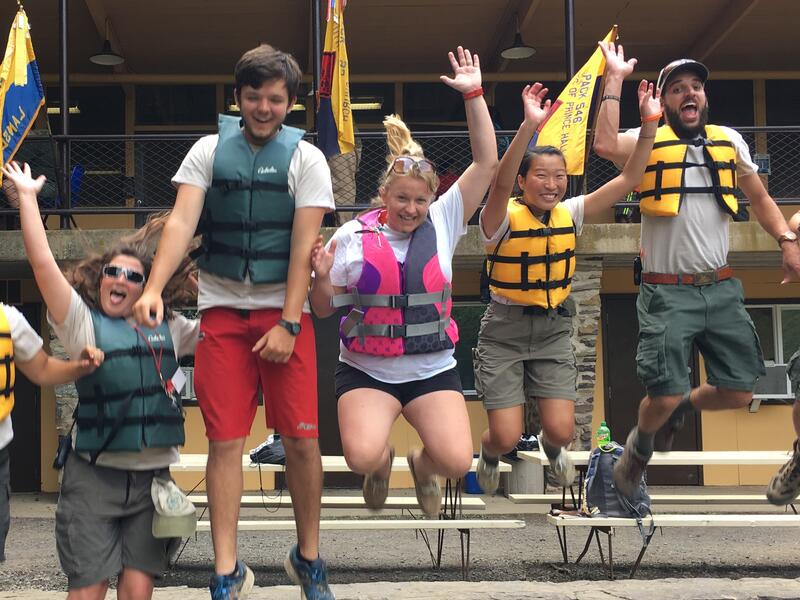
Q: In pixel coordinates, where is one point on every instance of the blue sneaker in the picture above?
(310, 576)
(232, 587)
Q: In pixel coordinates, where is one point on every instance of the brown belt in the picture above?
(704, 278)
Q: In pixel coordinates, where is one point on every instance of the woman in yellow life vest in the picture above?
(524, 348)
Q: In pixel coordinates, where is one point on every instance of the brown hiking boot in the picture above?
(629, 468)
(375, 488)
(785, 484)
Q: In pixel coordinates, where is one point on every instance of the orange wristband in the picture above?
(473, 94)
(654, 117)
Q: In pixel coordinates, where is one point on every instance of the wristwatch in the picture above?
(789, 236)
(294, 328)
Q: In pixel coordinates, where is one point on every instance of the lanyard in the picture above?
(169, 387)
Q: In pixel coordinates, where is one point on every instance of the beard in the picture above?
(681, 130)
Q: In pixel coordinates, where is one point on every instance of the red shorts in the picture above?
(228, 374)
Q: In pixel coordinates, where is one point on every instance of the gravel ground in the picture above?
(529, 554)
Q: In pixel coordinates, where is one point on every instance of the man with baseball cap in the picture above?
(688, 294)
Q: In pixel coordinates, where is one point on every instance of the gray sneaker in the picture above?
(488, 474)
(629, 468)
(785, 484)
(376, 489)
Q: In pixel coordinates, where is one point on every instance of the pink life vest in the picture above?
(398, 309)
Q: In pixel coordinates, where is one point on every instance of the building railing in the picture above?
(132, 173)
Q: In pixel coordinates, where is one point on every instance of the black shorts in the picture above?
(349, 378)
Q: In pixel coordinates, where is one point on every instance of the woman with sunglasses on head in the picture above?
(392, 268)
(524, 350)
(129, 421)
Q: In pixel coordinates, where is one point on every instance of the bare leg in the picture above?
(224, 483)
(442, 422)
(96, 591)
(366, 417)
(134, 585)
(558, 420)
(709, 397)
(304, 479)
(505, 428)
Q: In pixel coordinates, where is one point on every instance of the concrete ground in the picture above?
(505, 564)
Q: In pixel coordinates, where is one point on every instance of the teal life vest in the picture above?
(248, 213)
(123, 406)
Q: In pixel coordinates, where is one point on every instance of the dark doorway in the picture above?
(25, 448)
(330, 442)
(624, 391)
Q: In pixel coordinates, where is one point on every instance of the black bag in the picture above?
(271, 452)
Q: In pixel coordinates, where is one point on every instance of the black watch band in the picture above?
(290, 326)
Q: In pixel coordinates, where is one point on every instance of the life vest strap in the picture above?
(221, 248)
(115, 397)
(353, 298)
(539, 284)
(541, 232)
(527, 259)
(689, 190)
(399, 331)
(227, 185)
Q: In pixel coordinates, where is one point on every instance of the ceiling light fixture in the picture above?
(518, 50)
(106, 57)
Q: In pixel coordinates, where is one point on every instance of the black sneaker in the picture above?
(785, 484)
(629, 468)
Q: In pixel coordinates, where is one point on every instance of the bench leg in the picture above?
(638, 560)
(794, 509)
(465, 562)
(592, 533)
(562, 542)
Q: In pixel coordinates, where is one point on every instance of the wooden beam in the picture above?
(722, 23)
(97, 11)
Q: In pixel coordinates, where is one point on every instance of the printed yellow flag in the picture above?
(565, 126)
(334, 116)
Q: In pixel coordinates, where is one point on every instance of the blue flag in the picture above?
(21, 92)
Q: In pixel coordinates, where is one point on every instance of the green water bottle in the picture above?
(603, 435)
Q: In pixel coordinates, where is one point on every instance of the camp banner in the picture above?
(566, 124)
(335, 116)
(21, 92)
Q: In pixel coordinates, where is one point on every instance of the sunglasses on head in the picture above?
(132, 275)
(403, 165)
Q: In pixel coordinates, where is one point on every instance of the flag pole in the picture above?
(595, 114)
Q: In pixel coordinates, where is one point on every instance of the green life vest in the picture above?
(122, 406)
(248, 212)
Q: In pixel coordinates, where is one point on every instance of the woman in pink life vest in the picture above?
(392, 269)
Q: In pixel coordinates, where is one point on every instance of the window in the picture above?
(778, 328)
(468, 317)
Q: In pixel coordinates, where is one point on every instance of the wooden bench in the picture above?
(450, 518)
(607, 525)
(557, 500)
(344, 502)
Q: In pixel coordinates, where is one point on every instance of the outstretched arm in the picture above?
(608, 143)
(175, 239)
(771, 219)
(55, 288)
(534, 112)
(631, 175)
(44, 369)
(476, 178)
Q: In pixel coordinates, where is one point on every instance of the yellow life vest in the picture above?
(6, 367)
(534, 266)
(664, 183)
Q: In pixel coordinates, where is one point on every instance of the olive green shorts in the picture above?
(521, 356)
(672, 317)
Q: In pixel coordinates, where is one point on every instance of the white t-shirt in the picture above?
(310, 185)
(447, 216)
(573, 205)
(77, 332)
(696, 239)
(27, 344)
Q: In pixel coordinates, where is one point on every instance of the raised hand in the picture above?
(322, 259)
(534, 106)
(649, 104)
(22, 180)
(615, 60)
(466, 71)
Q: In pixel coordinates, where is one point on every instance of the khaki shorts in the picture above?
(672, 317)
(521, 356)
(104, 522)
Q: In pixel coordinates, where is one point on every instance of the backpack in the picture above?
(600, 495)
